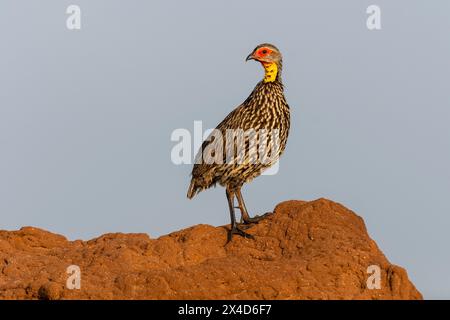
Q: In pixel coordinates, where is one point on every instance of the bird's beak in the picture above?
(250, 57)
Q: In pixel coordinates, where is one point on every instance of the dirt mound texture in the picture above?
(305, 250)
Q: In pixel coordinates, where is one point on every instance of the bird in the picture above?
(236, 158)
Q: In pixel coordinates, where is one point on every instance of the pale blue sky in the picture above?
(86, 116)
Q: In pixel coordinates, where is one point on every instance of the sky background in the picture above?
(86, 116)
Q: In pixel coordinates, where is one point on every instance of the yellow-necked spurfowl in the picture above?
(235, 147)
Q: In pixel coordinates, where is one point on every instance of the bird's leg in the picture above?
(245, 216)
(234, 227)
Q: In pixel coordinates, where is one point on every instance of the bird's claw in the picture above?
(240, 232)
(257, 218)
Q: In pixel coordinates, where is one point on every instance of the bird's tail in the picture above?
(193, 189)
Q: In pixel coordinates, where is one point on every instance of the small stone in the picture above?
(50, 291)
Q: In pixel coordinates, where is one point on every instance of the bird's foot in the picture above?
(257, 218)
(240, 232)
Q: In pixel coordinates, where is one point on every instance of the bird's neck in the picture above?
(271, 70)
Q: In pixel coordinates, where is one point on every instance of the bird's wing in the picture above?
(211, 141)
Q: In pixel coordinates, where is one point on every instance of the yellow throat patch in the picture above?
(271, 71)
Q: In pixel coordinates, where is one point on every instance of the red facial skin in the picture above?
(261, 53)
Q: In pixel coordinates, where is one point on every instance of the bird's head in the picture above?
(271, 59)
(265, 53)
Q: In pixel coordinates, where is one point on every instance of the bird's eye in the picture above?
(264, 51)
